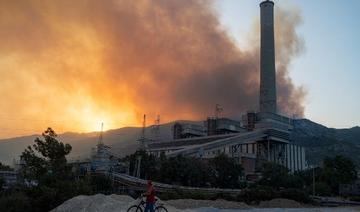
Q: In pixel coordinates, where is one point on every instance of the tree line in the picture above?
(223, 172)
(219, 172)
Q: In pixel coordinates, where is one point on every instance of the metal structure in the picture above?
(156, 128)
(143, 127)
(135, 183)
(187, 130)
(217, 126)
(218, 110)
(251, 149)
(142, 138)
(136, 172)
(143, 146)
(102, 160)
(101, 155)
(100, 141)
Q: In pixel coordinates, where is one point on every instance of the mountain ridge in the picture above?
(319, 141)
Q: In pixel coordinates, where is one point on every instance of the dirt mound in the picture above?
(221, 204)
(103, 203)
(95, 203)
(280, 203)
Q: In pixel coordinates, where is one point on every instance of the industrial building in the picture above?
(102, 160)
(263, 136)
(188, 130)
(10, 178)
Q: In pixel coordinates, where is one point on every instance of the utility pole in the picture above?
(143, 127)
(268, 148)
(156, 128)
(100, 142)
(313, 180)
(142, 147)
(138, 166)
(142, 136)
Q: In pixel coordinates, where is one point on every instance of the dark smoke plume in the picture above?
(89, 60)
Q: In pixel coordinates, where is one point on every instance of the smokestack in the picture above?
(267, 59)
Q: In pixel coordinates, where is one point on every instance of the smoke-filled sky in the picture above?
(328, 66)
(74, 64)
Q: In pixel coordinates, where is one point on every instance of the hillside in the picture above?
(319, 141)
(122, 141)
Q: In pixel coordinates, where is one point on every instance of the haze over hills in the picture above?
(123, 141)
(319, 141)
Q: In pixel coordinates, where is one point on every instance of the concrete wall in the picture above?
(267, 59)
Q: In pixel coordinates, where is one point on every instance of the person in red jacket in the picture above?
(150, 197)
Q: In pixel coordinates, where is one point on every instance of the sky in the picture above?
(328, 68)
(71, 65)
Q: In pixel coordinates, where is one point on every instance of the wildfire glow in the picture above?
(71, 65)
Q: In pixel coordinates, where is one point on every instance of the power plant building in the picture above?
(263, 136)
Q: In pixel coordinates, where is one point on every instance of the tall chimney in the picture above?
(267, 59)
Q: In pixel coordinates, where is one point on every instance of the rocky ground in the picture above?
(120, 203)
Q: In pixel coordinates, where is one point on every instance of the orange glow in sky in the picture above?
(72, 65)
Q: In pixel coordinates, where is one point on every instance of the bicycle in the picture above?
(141, 206)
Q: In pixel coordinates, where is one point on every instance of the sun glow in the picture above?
(89, 115)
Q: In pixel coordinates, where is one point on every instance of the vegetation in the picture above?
(277, 176)
(338, 170)
(221, 171)
(45, 161)
(5, 167)
(49, 179)
(276, 182)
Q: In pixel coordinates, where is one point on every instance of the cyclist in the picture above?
(150, 197)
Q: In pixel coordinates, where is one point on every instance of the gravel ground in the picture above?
(280, 203)
(120, 203)
(221, 204)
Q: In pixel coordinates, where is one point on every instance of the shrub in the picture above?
(355, 198)
(322, 189)
(295, 194)
(256, 195)
(17, 202)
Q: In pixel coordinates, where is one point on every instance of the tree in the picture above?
(148, 167)
(185, 171)
(45, 162)
(46, 158)
(225, 172)
(338, 170)
(221, 171)
(5, 167)
(2, 183)
(278, 176)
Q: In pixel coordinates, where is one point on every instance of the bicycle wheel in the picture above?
(135, 208)
(160, 209)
